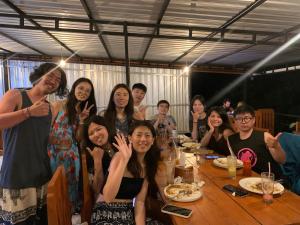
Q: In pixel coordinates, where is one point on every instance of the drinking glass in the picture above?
(267, 186)
(170, 170)
(231, 165)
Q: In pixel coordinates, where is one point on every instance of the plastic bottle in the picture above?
(247, 168)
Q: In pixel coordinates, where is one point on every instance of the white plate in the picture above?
(191, 145)
(250, 183)
(222, 162)
(183, 192)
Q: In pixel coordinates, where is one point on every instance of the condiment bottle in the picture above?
(247, 168)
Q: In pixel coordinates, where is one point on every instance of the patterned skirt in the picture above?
(23, 206)
(116, 213)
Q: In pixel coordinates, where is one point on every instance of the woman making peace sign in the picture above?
(66, 130)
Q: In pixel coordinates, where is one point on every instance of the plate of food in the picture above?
(183, 192)
(191, 145)
(253, 184)
(222, 162)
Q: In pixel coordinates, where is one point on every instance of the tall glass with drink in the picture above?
(231, 166)
(267, 186)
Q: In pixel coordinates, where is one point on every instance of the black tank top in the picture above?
(255, 149)
(25, 161)
(129, 187)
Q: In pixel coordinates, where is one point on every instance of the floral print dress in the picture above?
(65, 152)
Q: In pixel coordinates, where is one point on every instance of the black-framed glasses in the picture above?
(245, 119)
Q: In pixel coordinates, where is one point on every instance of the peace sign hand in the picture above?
(124, 149)
(85, 112)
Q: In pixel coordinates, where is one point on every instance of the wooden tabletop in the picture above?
(220, 207)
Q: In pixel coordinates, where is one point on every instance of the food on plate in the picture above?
(257, 186)
(181, 190)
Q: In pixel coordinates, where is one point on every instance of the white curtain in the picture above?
(168, 84)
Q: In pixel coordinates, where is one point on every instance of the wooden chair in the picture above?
(86, 210)
(264, 118)
(58, 204)
(297, 127)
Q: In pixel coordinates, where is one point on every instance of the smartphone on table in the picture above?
(237, 190)
(176, 211)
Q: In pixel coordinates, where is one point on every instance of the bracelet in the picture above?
(195, 122)
(28, 112)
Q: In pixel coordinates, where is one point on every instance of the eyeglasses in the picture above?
(245, 119)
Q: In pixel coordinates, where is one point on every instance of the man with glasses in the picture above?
(257, 146)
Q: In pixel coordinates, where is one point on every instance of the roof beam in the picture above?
(141, 35)
(21, 43)
(121, 62)
(90, 15)
(22, 13)
(160, 16)
(52, 20)
(235, 18)
(6, 50)
(264, 41)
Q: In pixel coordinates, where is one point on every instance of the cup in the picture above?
(200, 158)
(170, 170)
(196, 173)
(231, 166)
(267, 186)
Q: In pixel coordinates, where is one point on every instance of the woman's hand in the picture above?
(97, 154)
(124, 149)
(85, 112)
(211, 127)
(196, 116)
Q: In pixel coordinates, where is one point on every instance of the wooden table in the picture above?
(220, 207)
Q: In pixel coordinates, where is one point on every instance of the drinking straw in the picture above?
(229, 147)
(269, 165)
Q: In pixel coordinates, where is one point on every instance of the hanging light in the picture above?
(62, 62)
(186, 69)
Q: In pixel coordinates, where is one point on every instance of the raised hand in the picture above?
(85, 112)
(40, 108)
(211, 127)
(272, 142)
(97, 154)
(124, 149)
(195, 116)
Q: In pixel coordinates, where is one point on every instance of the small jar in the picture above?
(247, 168)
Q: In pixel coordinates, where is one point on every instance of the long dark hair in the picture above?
(72, 101)
(200, 98)
(87, 142)
(151, 158)
(225, 121)
(111, 113)
(45, 68)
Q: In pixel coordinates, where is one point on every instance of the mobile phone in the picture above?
(177, 211)
(237, 190)
(211, 156)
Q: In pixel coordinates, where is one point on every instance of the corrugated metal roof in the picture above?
(270, 16)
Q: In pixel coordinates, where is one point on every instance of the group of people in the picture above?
(120, 144)
(214, 131)
(39, 136)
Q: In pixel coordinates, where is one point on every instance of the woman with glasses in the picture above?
(218, 131)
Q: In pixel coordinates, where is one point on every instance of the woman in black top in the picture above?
(198, 121)
(218, 132)
(131, 171)
(97, 142)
